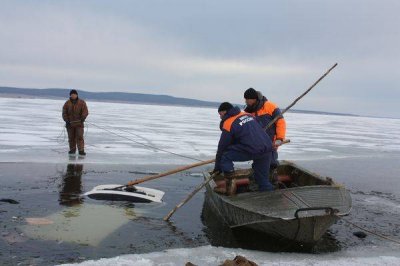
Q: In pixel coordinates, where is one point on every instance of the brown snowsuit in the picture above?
(74, 114)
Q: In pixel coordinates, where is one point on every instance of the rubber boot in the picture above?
(273, 178)
(231, 187)
(231, 183)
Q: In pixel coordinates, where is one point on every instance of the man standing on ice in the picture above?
(74, 114)
(242, 139)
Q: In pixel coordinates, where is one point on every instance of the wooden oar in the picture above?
(170, 172)
(166, 218)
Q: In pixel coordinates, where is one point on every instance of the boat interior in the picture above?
(287, 175)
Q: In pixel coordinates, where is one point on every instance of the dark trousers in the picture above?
(274, 159)
(75, 138)
(261, 165)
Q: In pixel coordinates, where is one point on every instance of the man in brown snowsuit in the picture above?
(74, 114)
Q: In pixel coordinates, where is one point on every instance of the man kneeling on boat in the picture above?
(242, 139)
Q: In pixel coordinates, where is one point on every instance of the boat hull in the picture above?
(301, 214)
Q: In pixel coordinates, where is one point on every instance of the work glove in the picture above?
(277, 143)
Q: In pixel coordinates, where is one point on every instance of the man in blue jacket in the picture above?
(242, 139)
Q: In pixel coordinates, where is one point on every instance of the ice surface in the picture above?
(208, 255)
(32, 130)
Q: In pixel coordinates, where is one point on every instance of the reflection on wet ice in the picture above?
(71, 186)
(78, 222)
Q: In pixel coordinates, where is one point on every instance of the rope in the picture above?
(143, 144)
(371, 232)
(86, 130)
(133, 134)
(60, 139)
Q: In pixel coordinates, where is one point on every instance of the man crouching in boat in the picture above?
(242, 139)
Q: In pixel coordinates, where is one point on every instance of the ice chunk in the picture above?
(209, 255)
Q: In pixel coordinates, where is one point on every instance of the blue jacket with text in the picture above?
(241, 132)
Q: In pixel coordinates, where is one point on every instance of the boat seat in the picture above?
(244, 181)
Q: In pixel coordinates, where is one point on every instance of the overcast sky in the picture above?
(210, 50)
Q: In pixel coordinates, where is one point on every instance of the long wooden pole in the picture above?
(173, 171)
(168, 216)
(301, 96)
(170, 172)
(183, 202)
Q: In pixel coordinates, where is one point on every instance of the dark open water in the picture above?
(85, 229)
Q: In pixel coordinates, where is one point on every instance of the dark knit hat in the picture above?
(250, 94)
(73, 92)
(225, 106)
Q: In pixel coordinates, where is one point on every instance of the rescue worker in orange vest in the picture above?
(242, 139)
(265, 111)
(74, 114)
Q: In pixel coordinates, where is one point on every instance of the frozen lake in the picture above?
(32, 131)
(363, 153)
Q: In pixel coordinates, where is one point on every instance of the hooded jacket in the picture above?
(265, 111)
(241, 132)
